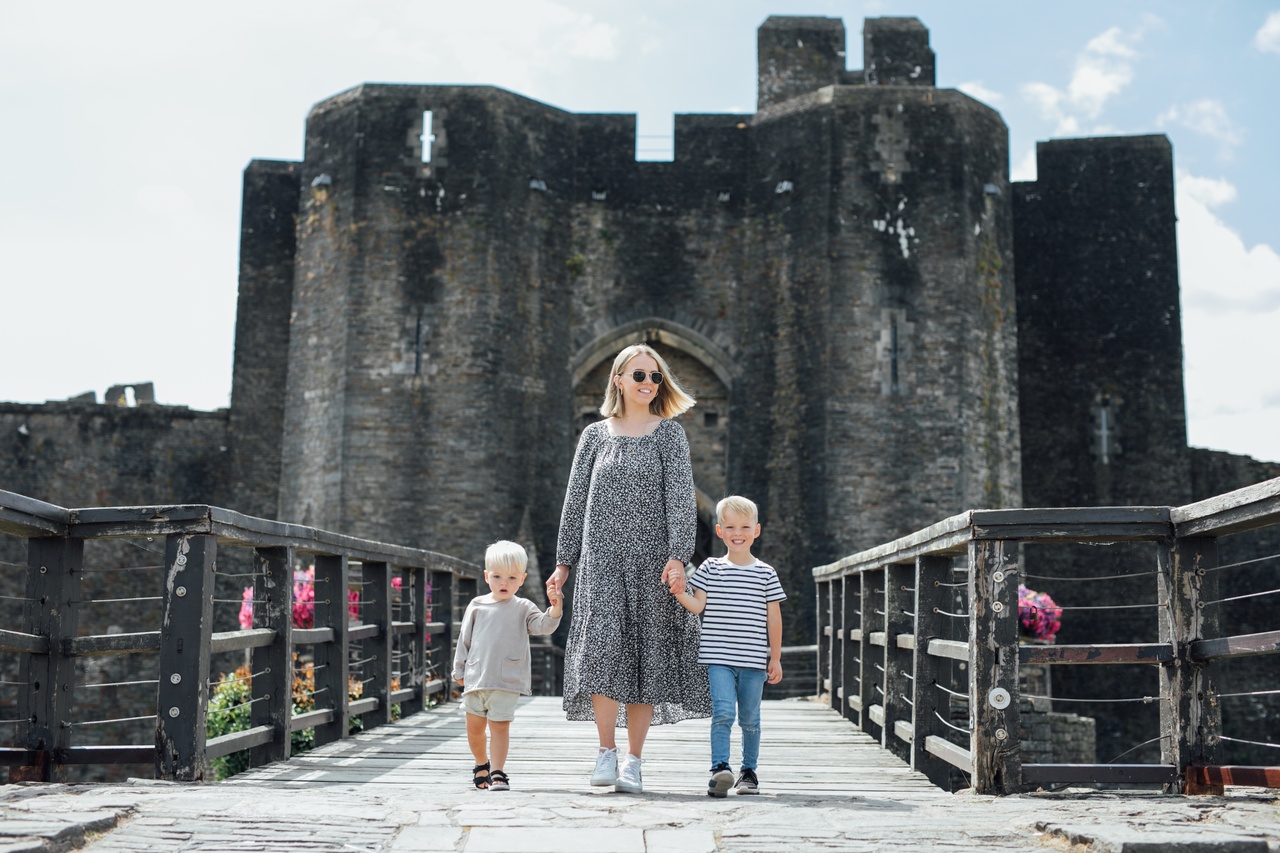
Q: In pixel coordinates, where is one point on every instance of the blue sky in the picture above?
(127, 126)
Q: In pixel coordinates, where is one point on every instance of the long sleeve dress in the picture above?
(629, 508)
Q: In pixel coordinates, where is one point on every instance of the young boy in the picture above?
(492, 661)
(738, 597)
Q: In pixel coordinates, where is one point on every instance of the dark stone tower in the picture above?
(830, 276)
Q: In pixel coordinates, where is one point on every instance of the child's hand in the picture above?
(774, 673)
(555, 596)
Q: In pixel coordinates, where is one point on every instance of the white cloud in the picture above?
(1267, 39)
(1025, 169)
(1231, 309)
(975, 89)
(1102, 70)
(1207, 117)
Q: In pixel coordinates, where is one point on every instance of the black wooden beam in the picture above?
(1114, 774)
(1117, 653)
(1241, 645)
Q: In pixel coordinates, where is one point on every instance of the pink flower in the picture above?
(304, 598)
(246, 608)
(1038, 615)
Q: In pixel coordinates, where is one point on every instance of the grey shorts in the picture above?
(498, 705)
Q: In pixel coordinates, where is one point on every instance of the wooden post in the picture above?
(899, 606)
(272, 685)
(825, 685)
(414, 592)
(929, 671)
(182, 702)
(871, 665)
(848, 683)
(331, 658)
(48, 680)
(375, 609)
(993, 667)
(836, 643)
(441, 664)
(1190, 716)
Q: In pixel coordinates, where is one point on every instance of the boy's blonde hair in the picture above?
(739, 505)
(505, 555)
(671, 399)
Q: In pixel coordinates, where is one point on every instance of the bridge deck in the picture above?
(406, 787)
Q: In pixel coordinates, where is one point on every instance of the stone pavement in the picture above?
(405, 788)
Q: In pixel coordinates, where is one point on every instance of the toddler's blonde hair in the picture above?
(505, 555)
(739, 505)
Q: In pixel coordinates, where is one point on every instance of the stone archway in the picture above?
(704, 369)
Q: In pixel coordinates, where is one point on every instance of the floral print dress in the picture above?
(629, 508)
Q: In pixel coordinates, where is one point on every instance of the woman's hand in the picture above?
(555, 583)
(673, 576)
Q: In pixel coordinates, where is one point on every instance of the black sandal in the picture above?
(498, 781)
(480, 782)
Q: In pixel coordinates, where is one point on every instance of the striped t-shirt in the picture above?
(735, 622)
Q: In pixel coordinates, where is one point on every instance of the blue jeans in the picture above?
(735, 686)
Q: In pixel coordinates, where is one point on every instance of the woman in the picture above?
(628, 524)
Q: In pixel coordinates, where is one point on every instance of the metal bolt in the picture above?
(998, 698)
(997, 576)
(176, 678)
(44, 570)
(173, 712)
(181, 560)
(997, 606)
(180, 591)
(1001, 734)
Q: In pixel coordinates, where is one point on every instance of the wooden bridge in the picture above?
(871, 759)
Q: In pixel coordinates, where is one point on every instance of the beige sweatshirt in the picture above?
(493, 645)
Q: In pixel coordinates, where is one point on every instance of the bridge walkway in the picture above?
(405, 788)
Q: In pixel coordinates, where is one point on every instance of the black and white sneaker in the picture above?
(747, 782)
(720, 782)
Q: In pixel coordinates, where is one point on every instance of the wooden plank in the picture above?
(116, 754)
(398, 696)
(183, 696)
(362, 706)
(855, 703)
(1115, 653)
(361, 631)
(855, 634)
(1240, 645)
(236, 741)
(1067, 517)
(311, 718)
(376, 667)
(993, 666)
(905, 641)
(311, 636)
(876, 713)
(1190, 715)
(945, 537)
(1253, 777)
(928, 670)
(51, 610)
(331, 659)
(30, 518)
(17, 641)
(272, 692)
(398, 628)
(1234, 512)
(904, 731)
(234, 641)
(870, 586)
(1113, 774)
(436, 628)
(111, 644)
(956, 756)
(877, 638)
(414, 593)
(953, 649)
(899, 609)
(1095, 534)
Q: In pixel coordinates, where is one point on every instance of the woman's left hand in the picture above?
(673, 576)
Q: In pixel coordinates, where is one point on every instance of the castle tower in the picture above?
(831, 276)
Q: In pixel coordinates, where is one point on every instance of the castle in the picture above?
(881, 329)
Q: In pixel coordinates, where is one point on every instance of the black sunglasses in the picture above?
(639, 375)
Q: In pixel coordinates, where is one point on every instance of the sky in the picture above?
(127, 126)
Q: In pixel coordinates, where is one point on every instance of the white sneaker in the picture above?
(606, 772)
(629, 776)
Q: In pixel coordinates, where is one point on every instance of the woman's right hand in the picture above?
(555, 583)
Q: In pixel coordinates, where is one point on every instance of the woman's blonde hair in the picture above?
(671, 399)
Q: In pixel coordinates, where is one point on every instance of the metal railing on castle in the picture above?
(359, 621)
(919, 641)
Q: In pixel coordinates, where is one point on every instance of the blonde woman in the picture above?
(628, 525)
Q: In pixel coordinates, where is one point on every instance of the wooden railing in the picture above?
(908, 628)
(403, 651)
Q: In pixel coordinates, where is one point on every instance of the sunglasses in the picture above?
(639, 376)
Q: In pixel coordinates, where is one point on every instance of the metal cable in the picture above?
(940, 583)
(232, 679)
(1241, 597)
(13, 722)
(144, 547)
(1254, 693)
(905, 699)
(120, 683)
(964, 696)
(118, 568)
(909, 613)
(16, 598)
(951, 725)
(113, 600)
(102, 722)
(241, 705)
(240, 574)
(15, 565)
(1146, 700)
(1107, 607)
(1242, 563)
(1250, 742)
(1139, 746)
(953, 615)
(1096, 577)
